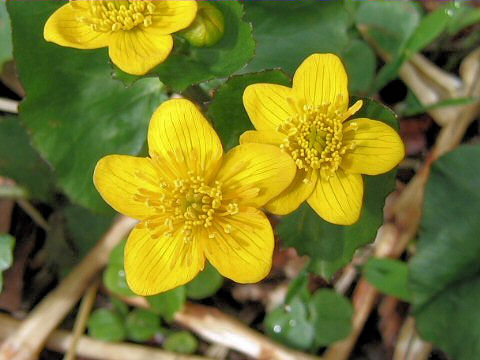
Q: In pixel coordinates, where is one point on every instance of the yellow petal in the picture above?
(241, 246)
(321, 79)
(180, 134)
(154, 265)
(138, 51)
(255, 173)
(263, 137)
(119, 178)
(377, 147)
(267, 105)
(338, 199)
(171, 16)
(292, 197)
(64, 29)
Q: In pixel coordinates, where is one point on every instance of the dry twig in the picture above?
(61, 341)
(27, 341)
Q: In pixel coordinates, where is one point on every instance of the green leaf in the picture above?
(463, 15)
(388, 23)
(142, 325)
(445, 271)
(23, 165)
(332, 246)
(298, 288)
(182, 342)
(189, 65)
(167, 304)
(286, 35)
(361, 63)
(226, 110)
(287, 32)
(114, 276)
(7, 243)
(89, 114)
(288, 324)
(206, 284)
(331, 315)
(388, 276)
(106, 325)
(5, 36)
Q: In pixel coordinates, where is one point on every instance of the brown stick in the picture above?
(409, 345)
(60, 340)
(214, 326)
(27, 341)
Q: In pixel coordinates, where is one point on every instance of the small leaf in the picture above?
(331, 315)
(114, 276)
(288, 324)
(388, 276)
(7, 243)
(206, 284)
(167, 304)
(142, 325)
(227, 111)
(182, 342)
(106, 325)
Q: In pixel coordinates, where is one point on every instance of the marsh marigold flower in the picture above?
(311, 122)
(136, 32)
(194, 202)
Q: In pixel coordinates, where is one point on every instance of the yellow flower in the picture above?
(137, 32)
(194, 202)
(310, 122)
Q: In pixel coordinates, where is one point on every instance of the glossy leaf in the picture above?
(332, 246)
(444, 273)
(226, 109)
(114, 275)
(388, 276)
(206, 284)
(168, 303)
(289, 325)
(142, 325)
(74, 111)
(288, 33)
(331, 315)
(182, 342)
(106, 325)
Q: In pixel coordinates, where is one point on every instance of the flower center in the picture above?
(185, 205)
(110, 16)
(314, 137)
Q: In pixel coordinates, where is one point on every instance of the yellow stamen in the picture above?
(117, 15)
(315, 134)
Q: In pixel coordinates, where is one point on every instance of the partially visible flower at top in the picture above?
(136, 32)
(194, 202)
(310, 121)
(208, 27)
